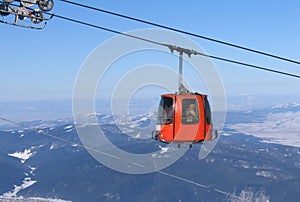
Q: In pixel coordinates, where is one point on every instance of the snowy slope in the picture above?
(39, 167)
(278, 125)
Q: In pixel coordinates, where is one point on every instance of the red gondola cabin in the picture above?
(184, 118)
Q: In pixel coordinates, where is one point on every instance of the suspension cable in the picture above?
(183, 32)
(172, 47)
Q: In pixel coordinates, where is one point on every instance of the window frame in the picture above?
(162, 115)
(186, 112)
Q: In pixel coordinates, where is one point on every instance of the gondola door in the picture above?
(166, 118)
(189, 122)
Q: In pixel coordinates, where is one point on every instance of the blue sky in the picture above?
(38, 65)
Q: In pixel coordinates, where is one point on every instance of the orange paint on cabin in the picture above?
(184, 118)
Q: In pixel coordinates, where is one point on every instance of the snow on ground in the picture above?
(32, 169)
(284, 106)
(266, 174)
(51, 147)
(163, 152)
(30, 199)
(163, 149)
(226, 134)
(279, 128)
(250, 196)
(112, 196)
(68, 127)
(27, 182)
(23, 156)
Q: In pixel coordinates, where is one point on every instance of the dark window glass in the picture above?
(190, 111)
(165, 111)
(207, 112)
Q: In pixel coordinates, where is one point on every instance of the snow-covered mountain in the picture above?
(279, 124)
(49, 163)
